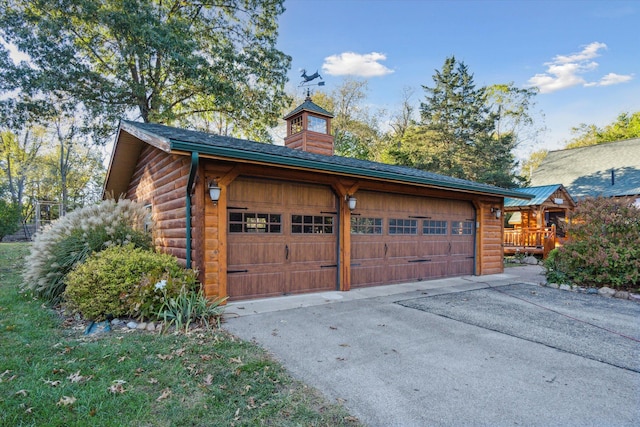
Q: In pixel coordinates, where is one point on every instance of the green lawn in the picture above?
(51, 374)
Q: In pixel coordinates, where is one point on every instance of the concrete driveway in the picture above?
(494, 350)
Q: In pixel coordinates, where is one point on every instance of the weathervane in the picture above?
(307, 80)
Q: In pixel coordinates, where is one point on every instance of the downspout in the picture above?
(192, 178)
(476, 223)
(338, 240)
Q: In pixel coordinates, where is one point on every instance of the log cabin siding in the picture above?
(160, 179)
(490, 253)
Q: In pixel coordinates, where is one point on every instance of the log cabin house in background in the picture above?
(536, 226)
(605, 170)
(259, 220)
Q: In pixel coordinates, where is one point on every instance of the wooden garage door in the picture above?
(282, 238)
(397, 238)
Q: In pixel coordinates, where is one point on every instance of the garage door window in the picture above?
(434, 227)
(461, 227)
(403, 226)
(246, 222)
(311, 224)
(366, 225)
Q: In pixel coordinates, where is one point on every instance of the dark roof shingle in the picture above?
(234, 148)
(610, 169)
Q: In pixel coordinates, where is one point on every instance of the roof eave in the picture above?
(232, 153)
(122, 148)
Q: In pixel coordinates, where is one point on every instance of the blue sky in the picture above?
(583, 55)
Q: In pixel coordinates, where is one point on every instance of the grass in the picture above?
(51, 374)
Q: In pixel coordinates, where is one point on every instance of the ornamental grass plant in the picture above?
(189, 308)
(67, 242)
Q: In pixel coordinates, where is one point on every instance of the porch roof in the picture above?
(540, 195)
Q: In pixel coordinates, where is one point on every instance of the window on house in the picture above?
(461, 227)
(366, 225)
(247, 222)
(434, 227)
(311, 224)
(296, 125)
(403, 226)
(317, 124)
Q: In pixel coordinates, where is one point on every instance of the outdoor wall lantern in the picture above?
(497, 212)
(214, 191)
(352, 203)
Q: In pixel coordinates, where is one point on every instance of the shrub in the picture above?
(9, 218)
(147, 299)
(67, 242)
(556, 268)
(603, 248)
(106, 283)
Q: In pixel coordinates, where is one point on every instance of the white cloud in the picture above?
(614, 79)
(565, 71)
(590, 51)
(356, 64)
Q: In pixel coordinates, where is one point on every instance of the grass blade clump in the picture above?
(67, 242)
(189, 308)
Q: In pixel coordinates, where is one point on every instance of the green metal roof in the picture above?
(239, 149)
(540, 195)
(309, 105)
(610, 169)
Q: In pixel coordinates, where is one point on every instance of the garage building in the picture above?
(259, 220)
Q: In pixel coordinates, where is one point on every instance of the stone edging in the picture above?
(604, 291)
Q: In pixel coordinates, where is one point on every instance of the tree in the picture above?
(402, 120)
(514, 108)
(20, 157)
(354, 128)
(47, 155)
(457, 135)
(626, 126)
(172, 61)
(72, 158)
(533, 162)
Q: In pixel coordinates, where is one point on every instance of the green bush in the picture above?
(147, 299)
(106, 283)
(603, 248)
(9, 218)
(556, 269)
(67, 242)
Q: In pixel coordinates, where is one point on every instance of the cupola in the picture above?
(309, 129)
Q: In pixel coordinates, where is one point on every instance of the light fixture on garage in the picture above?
(214, 191)
(497, 212)
(352, 203)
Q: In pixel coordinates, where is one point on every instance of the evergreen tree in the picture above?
(457, 133)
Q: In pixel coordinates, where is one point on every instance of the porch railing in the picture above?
(543, 238)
